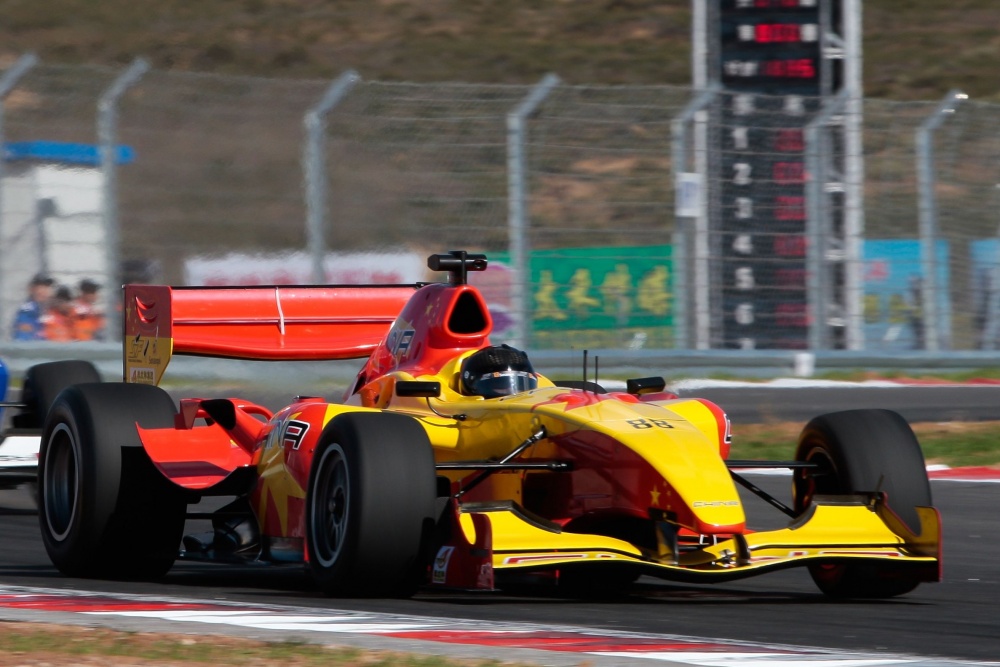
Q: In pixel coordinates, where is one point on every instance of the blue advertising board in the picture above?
(984, 279)
(893, 281)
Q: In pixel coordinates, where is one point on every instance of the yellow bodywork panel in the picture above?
(512, 533)
(829, 531)
(683, 456)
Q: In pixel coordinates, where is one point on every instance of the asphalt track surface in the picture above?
(958, 618)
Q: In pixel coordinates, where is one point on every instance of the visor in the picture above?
(504, 383)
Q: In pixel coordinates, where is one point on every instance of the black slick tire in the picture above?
(370, 505)
(44, 382)
(104, 509)
(861, 451)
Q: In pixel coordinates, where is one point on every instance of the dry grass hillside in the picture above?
(914, 49)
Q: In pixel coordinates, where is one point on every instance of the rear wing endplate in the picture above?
(274, 323)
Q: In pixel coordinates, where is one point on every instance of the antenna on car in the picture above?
(585, 370)
(457, 263)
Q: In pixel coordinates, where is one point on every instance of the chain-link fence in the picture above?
(942, 194)
(209, 172)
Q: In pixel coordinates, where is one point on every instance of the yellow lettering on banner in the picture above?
(615, 292)
(578, 294)
(873, 309)
(546, 307)
(653, 295)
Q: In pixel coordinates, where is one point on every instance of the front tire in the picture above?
(370, 505)
(104, 509)
(861, 451)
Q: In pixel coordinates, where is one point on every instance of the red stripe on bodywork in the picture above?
(722, 422)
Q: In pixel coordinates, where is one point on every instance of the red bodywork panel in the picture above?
(200, 456)
(459, 563)
(276, 323)
(285, 461)
(199, 459)
(437, 324)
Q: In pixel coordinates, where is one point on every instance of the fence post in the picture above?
(682, 240)
(854, 177)
(314, 165)
(934, 329)
(517, 208)
(107, 130)
(818, 220)
(8, 81)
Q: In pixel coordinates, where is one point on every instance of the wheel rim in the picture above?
(330, 506)
(61, 482)
(810, 483)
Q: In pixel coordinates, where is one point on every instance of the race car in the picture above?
(21, 434)
(450, 461)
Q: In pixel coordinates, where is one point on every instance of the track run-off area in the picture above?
(548, 644)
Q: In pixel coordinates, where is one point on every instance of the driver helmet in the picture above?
(498, 370)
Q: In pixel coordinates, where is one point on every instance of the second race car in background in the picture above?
(21, 420)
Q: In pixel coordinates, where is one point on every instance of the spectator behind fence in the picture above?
(89, 318)
(28, 320)
(58, 321)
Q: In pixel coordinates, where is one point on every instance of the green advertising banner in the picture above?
(601, 297)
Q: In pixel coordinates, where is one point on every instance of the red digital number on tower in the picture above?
(786, 173)
(789, 140)
(789, 208)
(792, 68)
(775, 4)
(790, 245)
(778, 33)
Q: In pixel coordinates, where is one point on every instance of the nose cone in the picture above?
(677, 468)
(696, 484)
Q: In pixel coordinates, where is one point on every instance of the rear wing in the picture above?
(274, 323)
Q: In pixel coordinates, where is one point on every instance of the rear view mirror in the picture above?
(648, 385)
(418, 388)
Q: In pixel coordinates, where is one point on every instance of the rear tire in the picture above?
(104, 509)
(44, 382)
(370, 505)
(861, 451)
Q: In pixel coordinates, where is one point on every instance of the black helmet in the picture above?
(499, 370)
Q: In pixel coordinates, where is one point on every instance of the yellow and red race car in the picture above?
(450, 462)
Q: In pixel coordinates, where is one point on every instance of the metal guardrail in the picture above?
(562, 364)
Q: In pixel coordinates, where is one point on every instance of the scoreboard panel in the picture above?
(774, 76)
(775, 46)
(763, 217)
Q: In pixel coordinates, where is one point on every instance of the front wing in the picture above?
(833, 529)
